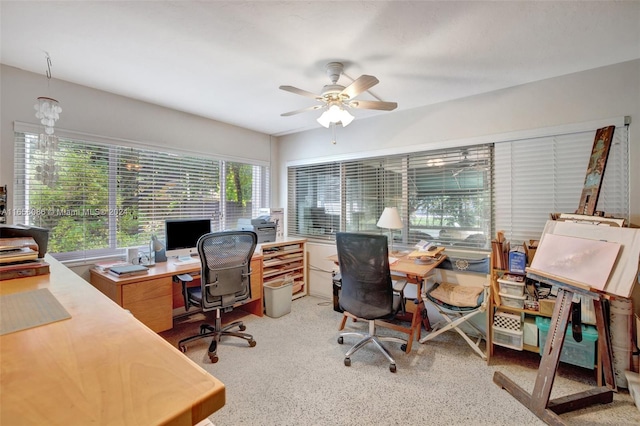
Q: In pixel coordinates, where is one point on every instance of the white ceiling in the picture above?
(226, 59)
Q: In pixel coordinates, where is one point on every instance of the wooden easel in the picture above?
(538, 401)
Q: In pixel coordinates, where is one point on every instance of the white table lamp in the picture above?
(390, 219)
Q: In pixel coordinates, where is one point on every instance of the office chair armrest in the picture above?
(185, 277)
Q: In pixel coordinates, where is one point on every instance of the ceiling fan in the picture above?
(335, 99)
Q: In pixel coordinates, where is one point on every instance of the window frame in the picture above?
(257, 171)
(391, 178)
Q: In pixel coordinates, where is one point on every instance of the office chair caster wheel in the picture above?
(242, 327)
(203, 329)
(183, 348)
(252, 343)
(347, 362)
(214, 358)
(403, 347)
(340, 340)
(392, 368)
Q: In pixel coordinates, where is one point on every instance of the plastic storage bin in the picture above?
(512, 285)
(512, 301)
(277, 298)
(582, 354)
(507, 330)
(508, 338)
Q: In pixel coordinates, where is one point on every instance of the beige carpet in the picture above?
(295, 376)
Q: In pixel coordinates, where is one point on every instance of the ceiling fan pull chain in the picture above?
(333, 133)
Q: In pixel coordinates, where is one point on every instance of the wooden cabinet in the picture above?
(284, 260)
(150, 302)
(148, 298)
(254, 305)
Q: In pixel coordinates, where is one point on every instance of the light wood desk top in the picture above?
(160, 269)
(101, 367)
(407, 266)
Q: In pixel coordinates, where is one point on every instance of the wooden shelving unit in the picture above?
(496, 307)
(286, 259)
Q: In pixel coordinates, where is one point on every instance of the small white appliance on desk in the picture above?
(262, 226)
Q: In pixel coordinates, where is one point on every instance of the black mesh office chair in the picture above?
(368, 293)
(225, 280)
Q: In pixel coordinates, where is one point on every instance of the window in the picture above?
(538, 176)
(98, 197)
(461, 196)
(443, 195)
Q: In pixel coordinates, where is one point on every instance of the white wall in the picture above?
(96, 112)
(592, 95)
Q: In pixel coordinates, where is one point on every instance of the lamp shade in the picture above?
(390, 219)
(156, 245)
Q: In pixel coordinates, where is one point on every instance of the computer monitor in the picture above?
(181, 236)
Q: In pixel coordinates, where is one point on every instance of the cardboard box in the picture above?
(546, 306)
(517, 260)
(530, 250)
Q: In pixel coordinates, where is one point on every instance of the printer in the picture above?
(262, 226)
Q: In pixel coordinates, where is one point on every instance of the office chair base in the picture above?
(370, 337)
(207, 330)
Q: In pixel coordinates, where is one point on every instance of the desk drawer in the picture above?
(145, 290)
(155, 313)
(150, 302)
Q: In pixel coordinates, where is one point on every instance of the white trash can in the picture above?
(277, 298)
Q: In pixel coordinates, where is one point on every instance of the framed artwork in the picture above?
(595, 171)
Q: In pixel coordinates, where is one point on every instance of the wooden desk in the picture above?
(99, 367)
(415, 273)
(149, 297)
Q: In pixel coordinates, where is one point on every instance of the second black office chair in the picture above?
(368, 291)
(225, 280)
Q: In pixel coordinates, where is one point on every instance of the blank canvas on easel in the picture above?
(578, 260)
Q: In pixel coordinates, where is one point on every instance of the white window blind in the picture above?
(443, 196)
(97, 198)
(539, 176)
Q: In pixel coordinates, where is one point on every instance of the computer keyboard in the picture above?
(193, 260)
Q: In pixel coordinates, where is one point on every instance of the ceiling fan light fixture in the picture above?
(324, 119)
(335, 114)
(346, 118)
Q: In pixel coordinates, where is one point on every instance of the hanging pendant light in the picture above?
(48, 112)
(47, 109)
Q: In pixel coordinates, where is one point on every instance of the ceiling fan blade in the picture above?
(298, 111)
(300, 92)
(360, 84)
(384, 106)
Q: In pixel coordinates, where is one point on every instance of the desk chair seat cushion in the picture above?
(456, 297)
(368, 311)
